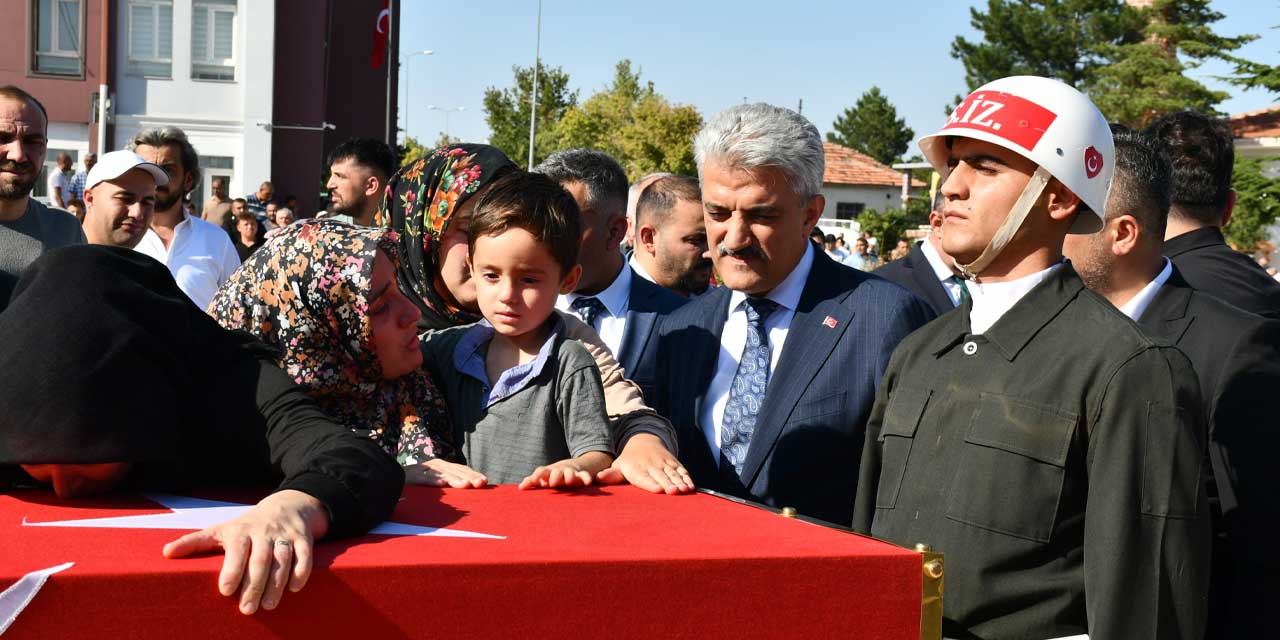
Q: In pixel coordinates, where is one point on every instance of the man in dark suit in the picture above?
(1236, 355)
(769, 379)
(1203, 157)
(929, 272)
(619, 304)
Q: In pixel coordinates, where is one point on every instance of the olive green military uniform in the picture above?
(1055, 461)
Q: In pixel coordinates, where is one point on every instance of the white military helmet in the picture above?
(1047, 122)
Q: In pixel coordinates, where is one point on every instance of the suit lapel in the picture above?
(717, 312)
(810, 341)
(1166, 317)
(634, 337)
(923, 274)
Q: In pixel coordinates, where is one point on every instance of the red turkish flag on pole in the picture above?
(381, 31)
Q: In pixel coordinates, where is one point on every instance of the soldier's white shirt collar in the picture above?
(991, 300)
(1137, 305)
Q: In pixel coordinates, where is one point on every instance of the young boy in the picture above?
(526, 404)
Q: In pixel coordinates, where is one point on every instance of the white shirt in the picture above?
(616, 299)
(991, 300)
(1137, 305)
(733, 339)
(58, 179)
(943, 271)
(639, 269)
(200, 257)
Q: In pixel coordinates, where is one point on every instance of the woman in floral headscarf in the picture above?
(313, 292)
(429, 204)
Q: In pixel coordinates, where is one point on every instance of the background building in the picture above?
(854, 182)
(263, 88)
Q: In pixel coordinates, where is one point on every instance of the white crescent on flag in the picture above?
(377, 24)
(196, 514)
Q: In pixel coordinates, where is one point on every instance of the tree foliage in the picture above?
(886, 226)
(632, 122)
(507, 111)
(411, 150)
(873, 127)
(1257, 203)
(1148, 79)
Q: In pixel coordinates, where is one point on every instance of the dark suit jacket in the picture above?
(1236, 356)
(808, 438)
(1210, 266)
(916, 274)
(646, 304)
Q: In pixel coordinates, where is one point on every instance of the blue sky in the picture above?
(714, 53)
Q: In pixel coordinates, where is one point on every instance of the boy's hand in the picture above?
(560, 475)
(439, 473)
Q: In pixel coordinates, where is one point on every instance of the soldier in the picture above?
(1037, 437)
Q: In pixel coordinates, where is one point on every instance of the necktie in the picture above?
(964, 289)
(588, 309)
(749, 383)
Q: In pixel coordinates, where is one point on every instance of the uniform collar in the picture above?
(1011, 333)
(991, 301)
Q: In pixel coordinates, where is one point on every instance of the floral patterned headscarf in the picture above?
(419, 204)
(306, 292)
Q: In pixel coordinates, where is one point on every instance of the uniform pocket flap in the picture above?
(904, 411)
(1039, 432)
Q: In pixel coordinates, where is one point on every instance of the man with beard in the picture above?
(27, 227)
(619, 304)
(671, 237)
(199, 254)
(358, 173)
(1236, 358)
(120, 198)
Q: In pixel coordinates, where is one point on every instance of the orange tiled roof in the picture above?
(848, 166)
(1263, 123)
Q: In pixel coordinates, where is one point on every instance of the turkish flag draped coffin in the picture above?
(494, 563)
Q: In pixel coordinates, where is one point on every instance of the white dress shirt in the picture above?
(639, 269)
(200, 257)
(991, 300)
(1137, 305)
(733, 339)
(943, 271)
(613, 320)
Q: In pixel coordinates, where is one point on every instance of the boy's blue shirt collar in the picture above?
(469, 360)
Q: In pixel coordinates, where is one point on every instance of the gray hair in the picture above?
(162, 136)
(748, 136)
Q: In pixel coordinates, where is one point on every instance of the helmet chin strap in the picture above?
(1012, 222)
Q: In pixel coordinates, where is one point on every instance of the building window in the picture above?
(849, 210)
(58, 28)
(151, 38)
(213, 28)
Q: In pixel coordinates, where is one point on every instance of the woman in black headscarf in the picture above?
(428, 203)
(111, 378)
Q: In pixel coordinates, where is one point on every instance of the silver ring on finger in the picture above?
(283, 543)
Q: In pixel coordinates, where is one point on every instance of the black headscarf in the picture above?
(419, 204)
(97, 362)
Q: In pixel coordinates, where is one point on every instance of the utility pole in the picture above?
(533, 107)
(391, 62)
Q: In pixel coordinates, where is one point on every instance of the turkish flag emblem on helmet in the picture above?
(1092, 163)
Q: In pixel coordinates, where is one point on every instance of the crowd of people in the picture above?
(1063, 386)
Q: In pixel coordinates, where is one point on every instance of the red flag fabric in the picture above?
(381, 31)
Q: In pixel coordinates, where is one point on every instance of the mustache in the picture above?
(752, 251)
(10, 165)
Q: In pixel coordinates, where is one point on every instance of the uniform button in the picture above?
(970, 348)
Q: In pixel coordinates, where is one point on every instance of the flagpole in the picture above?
(391, 13)
(533, 108)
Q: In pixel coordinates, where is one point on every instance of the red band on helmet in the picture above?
(1005, 115)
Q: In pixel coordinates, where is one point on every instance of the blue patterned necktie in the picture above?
(588, 309)
(749, 384)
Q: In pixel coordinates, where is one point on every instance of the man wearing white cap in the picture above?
(1036, 436)
(119, 198)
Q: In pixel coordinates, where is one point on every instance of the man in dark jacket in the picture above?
(1236, 355)
(1036, 436)
(929, 272)
(1200, 148)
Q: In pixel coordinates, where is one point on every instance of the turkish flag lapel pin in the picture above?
(830, 322)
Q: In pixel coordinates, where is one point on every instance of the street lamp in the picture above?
(408, 77)
(432, 107)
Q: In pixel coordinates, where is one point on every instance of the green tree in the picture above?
(873, 127)
(445, 140)
(1253, 75)
(887, 226)
(1257, 203)
(411, 150)
(1054, 38)
(632, 122)
(507, 112)
(1148, 79)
